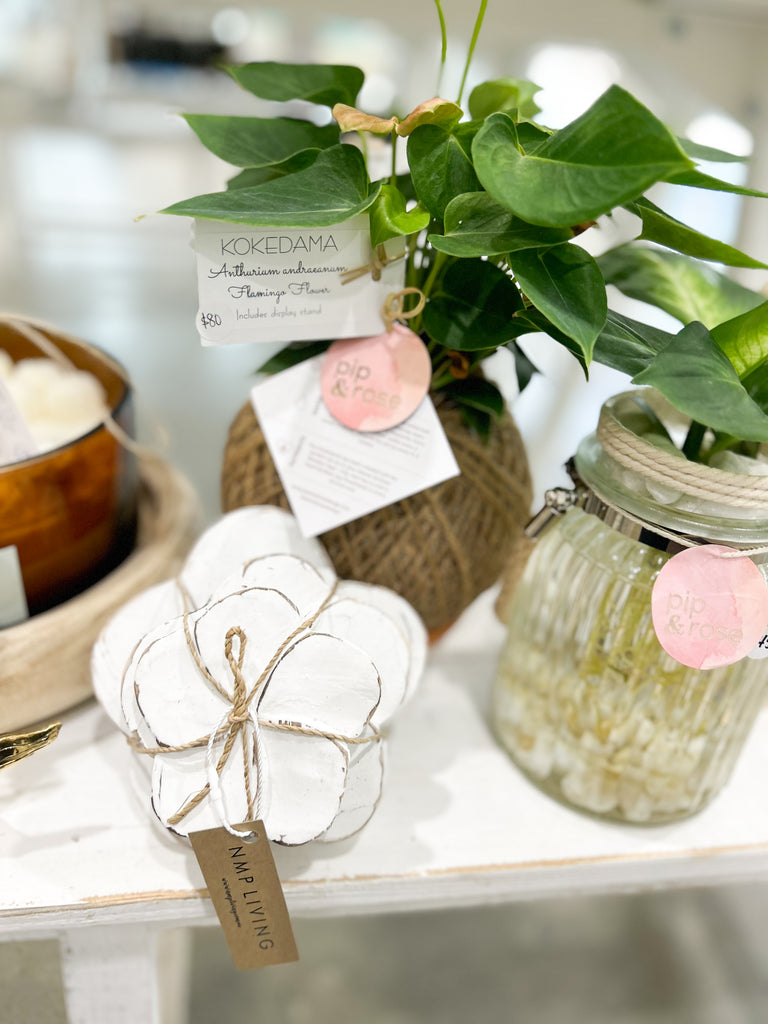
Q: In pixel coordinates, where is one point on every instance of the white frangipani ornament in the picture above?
(259, 683)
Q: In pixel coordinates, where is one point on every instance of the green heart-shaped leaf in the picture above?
(333, 189)
(628, 345)
(659, 227)
(506, 95)
(697, 377)
(532, 137)
(440, 167)
(680, 286)
(251, 176)
(697, 179)
(565, 284)
(259, 141)
(744, 339)
(531, 321)
(524, 367)
(476, 225)
(719, 156)
(391, 219)
(478, 393)
(609, 155)
(473, 310)
(318, 83)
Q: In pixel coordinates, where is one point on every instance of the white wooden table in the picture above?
(81, 859)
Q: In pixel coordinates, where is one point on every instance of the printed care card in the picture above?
(332, 474)
(287, 284)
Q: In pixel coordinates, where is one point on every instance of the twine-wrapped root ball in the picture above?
(440, 548)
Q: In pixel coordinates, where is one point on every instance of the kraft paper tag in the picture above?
(709, 606)
(267, 284)
(245, 889)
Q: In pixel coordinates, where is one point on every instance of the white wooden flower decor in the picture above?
(258, 685)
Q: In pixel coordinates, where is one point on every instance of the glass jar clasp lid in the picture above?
(557, 501)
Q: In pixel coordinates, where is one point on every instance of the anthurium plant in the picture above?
(491, 207)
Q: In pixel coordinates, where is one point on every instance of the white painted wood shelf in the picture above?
(457, 825)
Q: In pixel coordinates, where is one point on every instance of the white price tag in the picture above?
(13, 598)
(332, 474)
(760, 650)
(286, 284)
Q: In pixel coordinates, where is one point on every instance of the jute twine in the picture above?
(241, 722)
(440, 548)
(692, 478)
(379, 260)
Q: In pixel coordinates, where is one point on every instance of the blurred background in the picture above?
(91, 140)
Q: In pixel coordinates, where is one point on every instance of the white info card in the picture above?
(332, 474)
(287, 284)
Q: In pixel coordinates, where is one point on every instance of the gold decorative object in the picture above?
(15, 746)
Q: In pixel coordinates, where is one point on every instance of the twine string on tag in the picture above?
(240, 721)
(393, 309)
(379, 260)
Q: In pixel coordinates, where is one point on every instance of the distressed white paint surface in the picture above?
(456, 825)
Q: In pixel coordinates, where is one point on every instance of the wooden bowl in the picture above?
(70, 513)
(45, 668)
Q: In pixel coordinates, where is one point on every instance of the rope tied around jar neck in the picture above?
(692, 478)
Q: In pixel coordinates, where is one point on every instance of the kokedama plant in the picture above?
(489, 209)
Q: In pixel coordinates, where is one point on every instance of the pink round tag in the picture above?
(375, 383)
(708, 610)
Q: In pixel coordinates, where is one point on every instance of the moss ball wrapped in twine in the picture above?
(440, 548)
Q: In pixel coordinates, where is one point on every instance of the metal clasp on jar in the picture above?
(557, 501)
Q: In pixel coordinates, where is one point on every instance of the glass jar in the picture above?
(586, 701)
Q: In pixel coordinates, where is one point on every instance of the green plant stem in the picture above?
(434, 270)
(441, 381)
(692, 445)
(393, 172)
(473, 43)
(426, 288)
(443, 47)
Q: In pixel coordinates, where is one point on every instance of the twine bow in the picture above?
(379, 260)
(239, 720)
